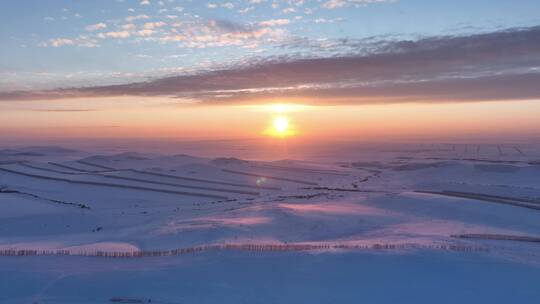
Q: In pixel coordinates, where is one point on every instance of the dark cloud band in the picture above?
(501, 65)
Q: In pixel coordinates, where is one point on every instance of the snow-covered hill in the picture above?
(406, 224)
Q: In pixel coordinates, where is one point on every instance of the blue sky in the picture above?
(48, 44)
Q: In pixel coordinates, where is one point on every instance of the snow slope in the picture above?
(398, 224)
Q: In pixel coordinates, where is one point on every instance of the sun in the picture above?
(280, 126)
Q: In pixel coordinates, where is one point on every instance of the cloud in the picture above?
(59, 42)
(324, 20)
(95, 27)
(219, 33)
(228, 5)
(128, 26)
(145, 32)
(138, 17)
(501, 65)
(333, 4)
(246, 10)
(489, 88)
(64, 110)
(228, 26)
(185, 31)
(152, 25)
(80, 41)
(117, 34)
(274, 22)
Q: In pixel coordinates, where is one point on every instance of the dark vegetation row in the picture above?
(182, 186)
(147, 181)
(64, 166)
(296, 169)
(110, 169)
(297, 181)
(82, 206)
(499, 237)
(341, 189)
(240, 247)
(203, 180)
(519, 202)
(113, 185)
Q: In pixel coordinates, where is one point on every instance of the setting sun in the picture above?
(280, 126)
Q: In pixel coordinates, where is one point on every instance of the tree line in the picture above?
(240, 247)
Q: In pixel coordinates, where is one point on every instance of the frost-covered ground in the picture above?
(438, 223)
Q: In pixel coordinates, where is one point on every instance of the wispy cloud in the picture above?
(115, 34)
(152, 25)
(334, 4)
(501, 65)
(95, 27)
(219, 33)
(274, 22)
(60, 41)
(137, 17)
(64, 110)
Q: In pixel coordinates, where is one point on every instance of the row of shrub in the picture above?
(242, 247)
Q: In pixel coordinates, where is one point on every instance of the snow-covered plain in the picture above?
(358, 223)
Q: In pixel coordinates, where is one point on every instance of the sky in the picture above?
(365, 69)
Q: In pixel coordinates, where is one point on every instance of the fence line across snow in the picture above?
(237, 247)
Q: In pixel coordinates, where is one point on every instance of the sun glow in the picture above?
(280, 124)
(280, 127)
(278, 108)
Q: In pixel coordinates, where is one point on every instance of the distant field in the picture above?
(451, 203)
